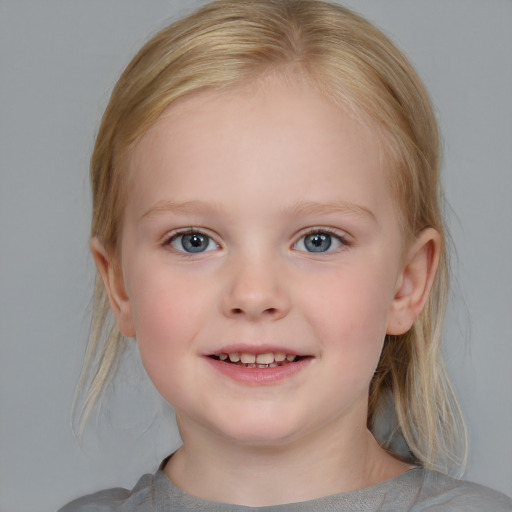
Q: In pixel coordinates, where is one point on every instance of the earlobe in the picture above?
(114, 285)
(415, 281)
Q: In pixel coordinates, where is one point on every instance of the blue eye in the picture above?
(318, 241)
(192, 242)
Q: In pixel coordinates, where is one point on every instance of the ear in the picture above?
(414, 282)
(113, 281)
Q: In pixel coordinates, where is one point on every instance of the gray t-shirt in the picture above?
(414, 491)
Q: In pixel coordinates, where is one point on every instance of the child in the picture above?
(266, 224)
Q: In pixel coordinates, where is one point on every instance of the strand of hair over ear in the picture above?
(101, 362)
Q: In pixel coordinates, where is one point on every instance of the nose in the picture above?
(256, 291)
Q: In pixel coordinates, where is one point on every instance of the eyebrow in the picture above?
(299, 208)
(185, 208)
(317, 208)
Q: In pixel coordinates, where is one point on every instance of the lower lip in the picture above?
(259, 376)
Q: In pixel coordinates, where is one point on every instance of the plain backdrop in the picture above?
(58, 62)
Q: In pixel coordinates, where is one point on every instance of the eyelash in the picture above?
(188, 231)
(341, 238)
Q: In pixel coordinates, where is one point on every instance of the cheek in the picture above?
(165, 320)
(350, 314)
(165, 315)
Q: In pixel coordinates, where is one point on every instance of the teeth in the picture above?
(248, 358)
(266, 360)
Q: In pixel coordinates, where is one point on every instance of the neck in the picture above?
(218, 469)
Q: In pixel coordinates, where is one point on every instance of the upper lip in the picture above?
(262, 348)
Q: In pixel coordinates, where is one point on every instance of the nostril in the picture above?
(268, 311)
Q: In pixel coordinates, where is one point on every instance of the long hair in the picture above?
(231, 42)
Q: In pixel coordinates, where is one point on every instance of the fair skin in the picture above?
(259, 224)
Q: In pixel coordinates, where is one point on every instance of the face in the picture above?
(261, 260)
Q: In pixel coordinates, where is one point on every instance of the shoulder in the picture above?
(415, 491)
(438, 492)
(116, 500)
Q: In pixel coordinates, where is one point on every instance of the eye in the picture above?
(319, 241)
(192, 242)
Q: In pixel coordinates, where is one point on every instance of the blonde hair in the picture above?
(231, 42)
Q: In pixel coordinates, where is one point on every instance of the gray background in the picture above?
(58, 62)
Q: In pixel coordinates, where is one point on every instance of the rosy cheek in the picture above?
(352, 310)
(165, 313)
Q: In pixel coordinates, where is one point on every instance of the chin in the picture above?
(261, 432)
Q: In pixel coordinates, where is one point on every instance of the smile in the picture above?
(269, 367)
(266, 360)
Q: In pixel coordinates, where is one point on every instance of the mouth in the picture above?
(264, 360)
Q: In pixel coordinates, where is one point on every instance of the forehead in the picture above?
(251, 109)
(247, 138)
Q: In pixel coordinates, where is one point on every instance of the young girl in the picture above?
(266, 224)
